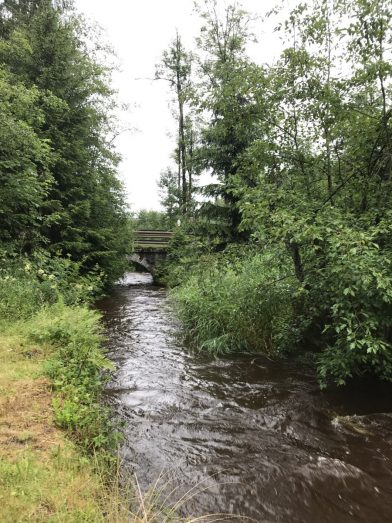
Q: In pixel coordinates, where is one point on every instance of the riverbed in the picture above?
(250, 437)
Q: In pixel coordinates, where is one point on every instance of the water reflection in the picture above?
(261, 436)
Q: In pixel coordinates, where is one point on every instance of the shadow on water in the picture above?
(259, 438)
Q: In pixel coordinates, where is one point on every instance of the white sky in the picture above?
(139, 31)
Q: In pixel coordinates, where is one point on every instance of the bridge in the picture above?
(150, 247)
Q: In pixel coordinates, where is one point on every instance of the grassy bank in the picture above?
(44, 475)
(249, 298)
(56, 439)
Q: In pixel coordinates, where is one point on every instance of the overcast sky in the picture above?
(139, 31)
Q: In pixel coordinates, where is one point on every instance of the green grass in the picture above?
(246, 305)
(57, 442)
(63, 488)
(43, 476)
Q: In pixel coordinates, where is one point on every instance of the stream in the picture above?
(241, 435)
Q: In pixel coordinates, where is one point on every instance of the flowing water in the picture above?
(256, 438)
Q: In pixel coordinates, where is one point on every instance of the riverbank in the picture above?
(57, 440)
(43, 473)
(246, 299)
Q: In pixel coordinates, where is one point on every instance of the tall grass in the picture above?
(77, 367)
(246, 305)
(47, 330)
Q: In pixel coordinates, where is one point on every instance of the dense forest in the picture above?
(59, 190)
(64, 233)
(290, 246)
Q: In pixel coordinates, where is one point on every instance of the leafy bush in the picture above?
(45, 299)
(342, 311)
(78, 370)
(181, 253)
(28, 284)
(358, 278)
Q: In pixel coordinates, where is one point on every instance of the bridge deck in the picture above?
(154, 240)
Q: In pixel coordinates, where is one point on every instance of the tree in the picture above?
(225, 94)
(323, 188)
(301, 151)
(25, 160)
(150, 220)
(176, 68)
(83, 212)
(171, 196)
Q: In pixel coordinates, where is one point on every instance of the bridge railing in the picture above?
(152, 239)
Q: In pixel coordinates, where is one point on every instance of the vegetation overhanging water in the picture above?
(243, 435)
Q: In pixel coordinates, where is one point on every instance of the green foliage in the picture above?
(243, 304)
(359, 282)
(324, 181)
(44, 300)
(28, 284)
(64, 225)
(300, 151)
(24, 163)
(227, 81)
(178, 189)
(77, 370)
(170, 196)
(150, 220)
(58, 182)
(183, 251)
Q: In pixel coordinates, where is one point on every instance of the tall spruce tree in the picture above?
(225, 94)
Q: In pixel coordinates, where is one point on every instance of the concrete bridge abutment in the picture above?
(147, 259)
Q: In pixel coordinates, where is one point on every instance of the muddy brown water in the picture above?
(254, 438)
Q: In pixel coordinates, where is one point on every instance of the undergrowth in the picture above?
(251, 298)
(45, 301)
(229, 305)
(77, 368)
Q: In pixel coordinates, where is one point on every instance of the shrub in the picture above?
(78, 370)
(357, 283)
(28, 284)
(45, 299)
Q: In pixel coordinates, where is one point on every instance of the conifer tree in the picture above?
(225, 94)
(83, 212)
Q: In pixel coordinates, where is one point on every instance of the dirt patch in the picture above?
(26, 419)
